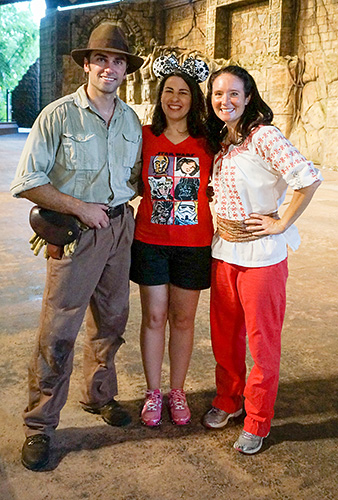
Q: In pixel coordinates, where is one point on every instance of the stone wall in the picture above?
(49, 66)
(316, 124)
(26, 97)
(185, 24)
(231, 23)
(63, 31)
(290, 47)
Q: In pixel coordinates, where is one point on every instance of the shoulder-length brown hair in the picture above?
(256, 112)
(197, 113)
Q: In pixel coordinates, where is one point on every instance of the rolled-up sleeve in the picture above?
(29, 181)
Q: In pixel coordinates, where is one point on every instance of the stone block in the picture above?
(314, 146)
(298, 138)
(332, 89)
(259, 78)
(316, 115)
(332, 113)
(281, 105)
(73, 75)
(279, 77)
(309, 96)
(284, 123)
(144, 112)
(329, 140)
(321, 88)
(331, 67)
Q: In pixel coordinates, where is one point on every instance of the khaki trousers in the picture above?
(95, 279)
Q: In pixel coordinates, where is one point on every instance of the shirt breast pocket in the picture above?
(131, 144)
(80, 152)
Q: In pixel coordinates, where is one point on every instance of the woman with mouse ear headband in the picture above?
(196, 68)
(171, 250)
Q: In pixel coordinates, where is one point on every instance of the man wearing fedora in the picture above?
(82, 158)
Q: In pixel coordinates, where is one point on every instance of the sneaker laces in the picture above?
(178, 399)
(214, 410)
(154, 400)
(248, 435)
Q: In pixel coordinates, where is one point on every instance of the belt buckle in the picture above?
(110, 211)
(113, 212)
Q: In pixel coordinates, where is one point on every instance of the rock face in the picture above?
(26, 97)
(291, 49)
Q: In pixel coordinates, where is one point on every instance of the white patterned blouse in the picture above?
(253, 178)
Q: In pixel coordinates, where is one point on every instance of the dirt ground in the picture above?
(94, 461)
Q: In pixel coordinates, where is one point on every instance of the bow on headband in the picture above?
(196, 68)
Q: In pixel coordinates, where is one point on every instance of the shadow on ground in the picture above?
(296, 399)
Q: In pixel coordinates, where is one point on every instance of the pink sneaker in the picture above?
(178, 407)
(152, 408)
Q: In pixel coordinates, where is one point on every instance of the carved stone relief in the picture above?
(301, 87)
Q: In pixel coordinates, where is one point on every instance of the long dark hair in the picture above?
(257, 112)
(197, 114)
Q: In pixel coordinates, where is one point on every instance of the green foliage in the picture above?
(19, 48)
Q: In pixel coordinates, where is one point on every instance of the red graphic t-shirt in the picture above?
(174, 209)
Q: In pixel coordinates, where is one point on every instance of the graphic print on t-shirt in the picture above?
(161, 187)
(174, 183)
(185, 213)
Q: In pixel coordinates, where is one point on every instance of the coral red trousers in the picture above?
(247, 301)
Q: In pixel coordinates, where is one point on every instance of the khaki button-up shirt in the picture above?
(71, 147)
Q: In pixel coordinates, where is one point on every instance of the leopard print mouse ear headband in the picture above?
(196, 68)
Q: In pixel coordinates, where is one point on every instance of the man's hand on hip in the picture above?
(94, 215)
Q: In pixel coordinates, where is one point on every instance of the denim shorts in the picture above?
(185, 267)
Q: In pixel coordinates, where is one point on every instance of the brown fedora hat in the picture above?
(108, 37)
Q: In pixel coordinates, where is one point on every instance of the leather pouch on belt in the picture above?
(56, 228)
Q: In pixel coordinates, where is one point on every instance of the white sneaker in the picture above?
(248, 443)
(216, 418)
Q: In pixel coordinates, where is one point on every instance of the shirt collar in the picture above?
(81, 100)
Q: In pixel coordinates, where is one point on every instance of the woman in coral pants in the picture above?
(254, 166)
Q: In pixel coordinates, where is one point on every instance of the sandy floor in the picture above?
(94, 461)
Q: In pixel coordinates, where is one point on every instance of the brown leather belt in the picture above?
(236, 230)
(113, 212)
